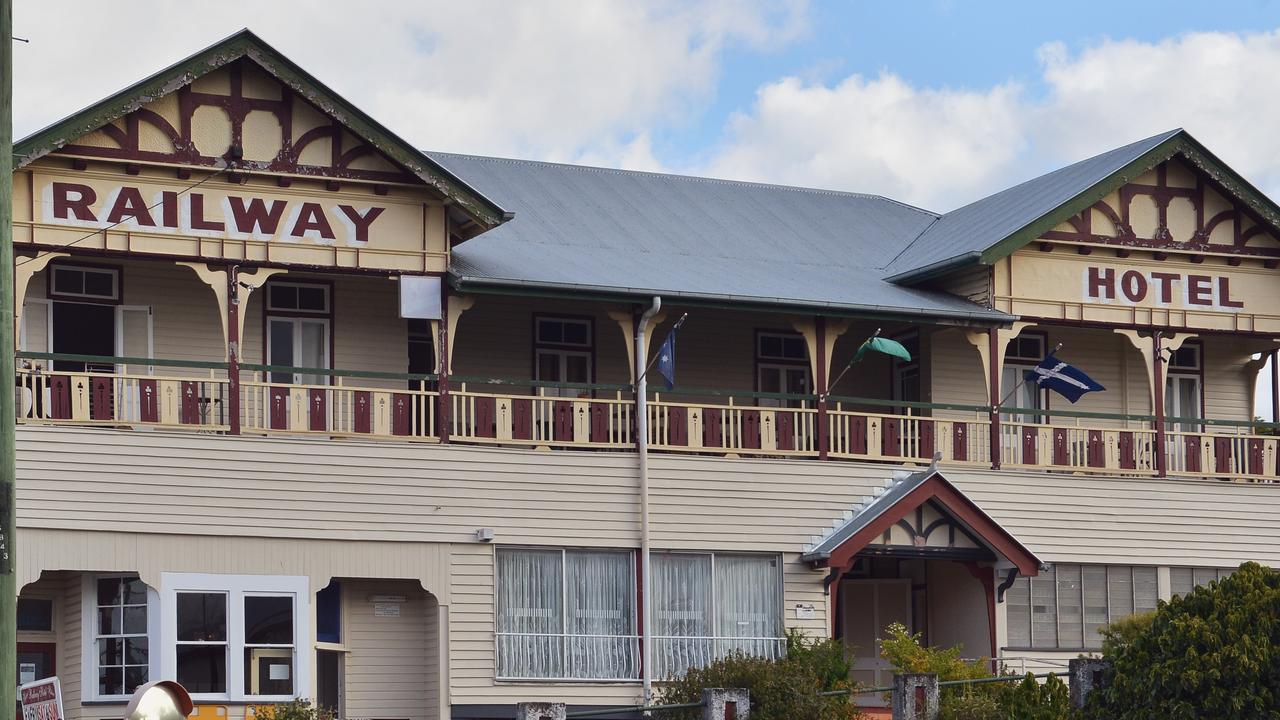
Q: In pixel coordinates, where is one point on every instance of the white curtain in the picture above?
(530, 614)
(748, 606)
(601, 613)
(566, 614)
(681, 612)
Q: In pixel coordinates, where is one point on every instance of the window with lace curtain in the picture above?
(708, 605)
(566, 614)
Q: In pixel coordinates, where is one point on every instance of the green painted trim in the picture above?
(881, 402)
(252, 367)
(246, 44)
(113, 360)
(508, 382)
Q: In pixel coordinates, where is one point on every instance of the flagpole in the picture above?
(840, 377)
(653, 361)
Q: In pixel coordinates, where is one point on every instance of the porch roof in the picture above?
(901, 498)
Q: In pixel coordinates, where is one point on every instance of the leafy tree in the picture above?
(784, 689)
(1213, 653)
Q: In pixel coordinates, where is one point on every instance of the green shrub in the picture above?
(1031, 700)
(907, 655)
(782, 689)
(1214, 653)
(969, 705)
(292, 710)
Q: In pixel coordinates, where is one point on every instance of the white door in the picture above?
(134, 338)
(34, 335)
(867, 608)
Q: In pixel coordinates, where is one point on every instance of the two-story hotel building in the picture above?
(307, 411)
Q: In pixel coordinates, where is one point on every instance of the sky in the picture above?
(935, 102)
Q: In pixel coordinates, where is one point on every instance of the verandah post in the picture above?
(993, 385)
(1157, 404)
(442, 370)
(233, 349)
(824, 426)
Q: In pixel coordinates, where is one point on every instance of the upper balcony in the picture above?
(141, 344)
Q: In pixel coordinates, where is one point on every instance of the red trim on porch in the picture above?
(936, 487)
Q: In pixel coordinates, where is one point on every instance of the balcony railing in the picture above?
(259, 399)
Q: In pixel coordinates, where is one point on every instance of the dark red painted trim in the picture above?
(233, 349)
(443, 408)
(1158, 405)
(987, 576)
(938, 489)
(993, 380)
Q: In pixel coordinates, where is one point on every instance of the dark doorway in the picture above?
(422, 352)
(36, 661)
(329, 681)
(83, 329)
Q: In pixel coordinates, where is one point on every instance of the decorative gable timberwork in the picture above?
(240, 105)
(1172, 207)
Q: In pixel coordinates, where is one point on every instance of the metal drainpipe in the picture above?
(642, 450)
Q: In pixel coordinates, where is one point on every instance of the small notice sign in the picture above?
(41, 700)
(386, 609)
(805, 611)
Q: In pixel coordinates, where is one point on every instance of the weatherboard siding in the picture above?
(392, 670)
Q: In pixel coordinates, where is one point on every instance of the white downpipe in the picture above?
(642, 452)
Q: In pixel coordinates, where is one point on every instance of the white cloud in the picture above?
(942, 147)
(556, 80)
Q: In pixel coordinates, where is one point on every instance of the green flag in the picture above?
(882, 345)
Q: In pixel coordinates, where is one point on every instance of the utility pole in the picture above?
(8, 420)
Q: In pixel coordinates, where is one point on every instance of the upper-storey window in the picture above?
(563, 352)
(906, 375)
(1022, 354)
(1182, 387)
(84, 283)
(782, 366)
(299, 318)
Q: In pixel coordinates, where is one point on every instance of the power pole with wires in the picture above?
(8, 420)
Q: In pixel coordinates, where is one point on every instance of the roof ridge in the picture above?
(679, 176)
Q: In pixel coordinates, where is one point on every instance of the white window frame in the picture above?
(236, 588)
(89, 635)
(1021, 364)
(297, 323)
(56, 294)
(562, 351)
(781, 364)
(151, 334)
(564, 611)
(1177, 374)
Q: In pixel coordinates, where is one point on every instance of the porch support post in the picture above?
(1157, 404)
(443, 406)
(1275, 387)
(233, 350)
(822, 360)
(994, 353)
(451, 309)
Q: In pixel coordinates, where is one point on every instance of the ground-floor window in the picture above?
(566, 614)
(1183, 580)
(119, 615)
(708, 605)
(236, 636)
(1065, 607)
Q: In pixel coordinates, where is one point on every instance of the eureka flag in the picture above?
(1064, 379)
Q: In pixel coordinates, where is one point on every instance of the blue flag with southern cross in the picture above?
(666, 363)
(1066, 380)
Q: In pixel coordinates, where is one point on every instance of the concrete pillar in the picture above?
(540, 711)
(915, 696)
(726, 704)
(1086, 676)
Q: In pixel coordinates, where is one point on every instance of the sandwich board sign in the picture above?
(41, 700)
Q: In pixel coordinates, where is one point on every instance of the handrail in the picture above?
(114, 360)
(478, 380)
(881, 402)
(1075, 413)
(374, 374)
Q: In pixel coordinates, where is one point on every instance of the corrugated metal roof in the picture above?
(979, 225)
(636, 233)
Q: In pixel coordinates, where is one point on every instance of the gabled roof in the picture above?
(617, 233)
(995, 226)
(904, 496)
(245, 44)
